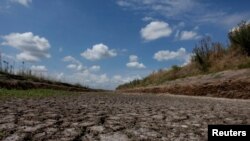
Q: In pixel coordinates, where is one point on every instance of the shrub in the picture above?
(176, 68)
(241, 36)
(201, 53)
(206, 54)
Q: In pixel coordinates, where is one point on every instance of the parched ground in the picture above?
(227, 84)
(117, 117)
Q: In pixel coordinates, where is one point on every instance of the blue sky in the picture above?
(104, 43)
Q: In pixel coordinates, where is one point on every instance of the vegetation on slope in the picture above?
(208, 57)
(33, 93)
(29, 81)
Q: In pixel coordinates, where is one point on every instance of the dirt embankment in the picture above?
(10, 81)
(24, 85)
(228, 84)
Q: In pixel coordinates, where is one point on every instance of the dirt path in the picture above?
(116, 117)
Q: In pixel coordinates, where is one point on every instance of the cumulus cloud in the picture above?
(89, 76)
(77, 66)
(102, 81)
(72, 66)
(189, 35)
(95, 68)
(22, 2)
(39, 69)
(32, 47)
(133, 63)
(89, 79)
(71, 59)
(165, 55)
(155, 30)
(74, 63)
(98, 52)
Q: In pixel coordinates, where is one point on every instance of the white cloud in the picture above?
(32, 47)
(8, 57)
(187, 59)
(72, 66)
(98, 52)
(133, 63)
(184, 10)
(156, 30)
(133, 58)
(27, 56)
(74, 63)
(123, 3)
(95, 68)
(223, 18)
(168, 8)
(118, 79)
(59, 76)
(165, 55)
(38, 69)
(189, 35)
(100, 81)
(90, 77)
(71, 59)
(22, 2)
(77, 66)
(146, 19)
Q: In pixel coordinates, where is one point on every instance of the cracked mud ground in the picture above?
(117, 117)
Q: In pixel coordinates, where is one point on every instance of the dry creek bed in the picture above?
(117, 117)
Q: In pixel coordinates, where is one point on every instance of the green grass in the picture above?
(33, 93)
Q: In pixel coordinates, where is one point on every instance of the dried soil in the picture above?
(227, 84)
(117, 117)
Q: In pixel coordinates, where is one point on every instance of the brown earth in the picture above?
(10, 81)
(117, 117)
(228, 84)
(24, 85)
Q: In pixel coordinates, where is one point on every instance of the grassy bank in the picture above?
(208, 57)
(33, 93)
